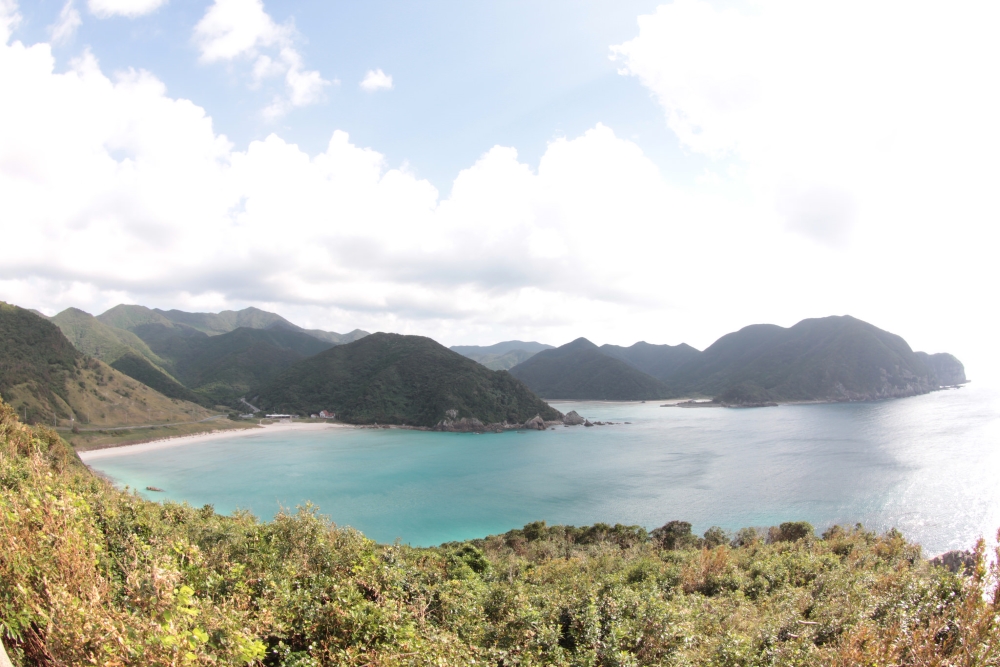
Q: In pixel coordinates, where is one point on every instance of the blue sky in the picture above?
(624, 171)
(466, 76)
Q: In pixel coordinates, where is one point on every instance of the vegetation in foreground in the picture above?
(92, 575)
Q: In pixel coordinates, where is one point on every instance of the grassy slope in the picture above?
(817, 359)
(394, 379)
(580, 370)
(123, 351)
(102, 438)
(40, 371)
(92, 575)
(100, 340)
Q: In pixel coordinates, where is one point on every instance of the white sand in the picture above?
(177, 441)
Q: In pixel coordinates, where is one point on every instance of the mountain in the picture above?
(500, 348)
(101, 341)
(224, 367)
(581, 370)
(123, 351)
(43, 376)
(830, 358)
(501, 356)
(395, 379)
(948, 370)
(660, 361)
(129, 317)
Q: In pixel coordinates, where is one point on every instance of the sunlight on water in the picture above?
(928, 465)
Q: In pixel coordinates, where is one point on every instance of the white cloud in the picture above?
(129, 8)
(841, 113)
(114, 191)
(241, 29)
(65, 26)
(235, 28)
(376, 80)
(9, 18)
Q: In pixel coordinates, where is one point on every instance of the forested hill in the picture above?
(581, 370)
(223, 368)
(396, 379)
(660, 361)
(825, 359)
(46, 379)
(830, 358)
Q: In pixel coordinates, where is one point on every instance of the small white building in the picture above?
(284, 418)
(327, 415)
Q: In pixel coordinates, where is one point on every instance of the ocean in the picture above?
(927, 465)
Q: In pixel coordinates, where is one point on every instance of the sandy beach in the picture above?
(179, 441)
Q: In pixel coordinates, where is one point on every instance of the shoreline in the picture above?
(182, 440)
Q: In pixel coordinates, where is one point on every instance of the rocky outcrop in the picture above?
(961, 562)
(572, 418)
(463, 425)
(536, 423)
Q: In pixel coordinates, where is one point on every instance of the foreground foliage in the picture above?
(91, 575)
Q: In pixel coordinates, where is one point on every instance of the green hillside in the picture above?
(224, 367)
(580, 370)
(139, 368)
(395, 379)
(48, 380)
(830, 358)
(660, 361)
(101, 341)
(123, 351)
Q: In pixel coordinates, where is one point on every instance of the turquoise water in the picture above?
(928, 465)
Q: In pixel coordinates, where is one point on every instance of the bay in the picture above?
(927, 465)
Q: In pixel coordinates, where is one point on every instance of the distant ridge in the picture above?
(129, 317)
(501, 348)
(501, 356)
(837, 358)
(395, 379)
(660, 361)
(581, 370)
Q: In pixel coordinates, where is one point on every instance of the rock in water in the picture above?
(536, 423)
(572, 418)
(960, 562)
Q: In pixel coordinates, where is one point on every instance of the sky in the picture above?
(478, 172)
